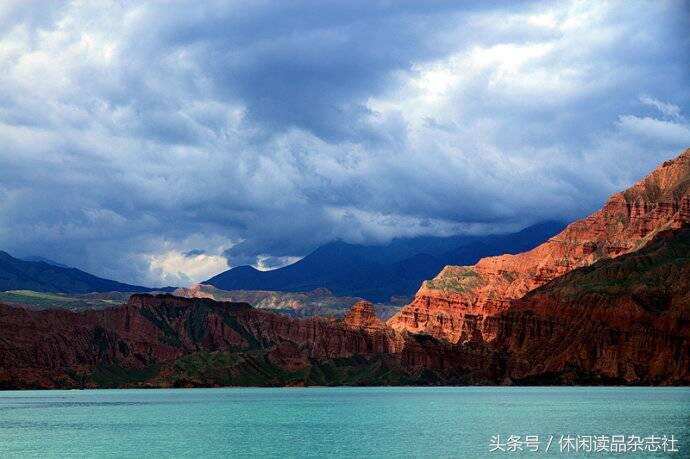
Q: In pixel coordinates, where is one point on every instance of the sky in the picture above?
(160, 143)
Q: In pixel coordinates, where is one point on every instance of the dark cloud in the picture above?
(144, 141)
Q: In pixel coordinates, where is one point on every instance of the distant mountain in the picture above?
(37, 258)
(42, 276)
(379, 272)
(320, 302)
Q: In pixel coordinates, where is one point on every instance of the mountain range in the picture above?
(605, 301)
(585, 328)
(320, 302)
(378, 272)
(45, 276)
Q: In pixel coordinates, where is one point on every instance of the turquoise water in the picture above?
(355, 422)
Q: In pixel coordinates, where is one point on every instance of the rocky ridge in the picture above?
(363, 315)
(622, 320)
(455, 304)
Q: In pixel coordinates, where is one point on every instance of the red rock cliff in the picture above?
(363, 315)
(164, 340)
(624, 320)
(455, 304)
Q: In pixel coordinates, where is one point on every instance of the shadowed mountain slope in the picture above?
(620, 320)
(379, 272)
(40, 276)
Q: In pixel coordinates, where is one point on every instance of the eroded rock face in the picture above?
(163, 340)
(454, 305)
(363, 315)
(624, 321)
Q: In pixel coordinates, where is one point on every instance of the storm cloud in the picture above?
(159, 143)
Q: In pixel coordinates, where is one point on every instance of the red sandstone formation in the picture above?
(621, 320)
(160, 341)
(455, 304)
(363, 315)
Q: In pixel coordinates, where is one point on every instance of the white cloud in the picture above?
(176, 268)
(144, 129)
(676, 134)
(665, 108)
(265, 263)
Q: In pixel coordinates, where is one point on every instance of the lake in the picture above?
(354, 422)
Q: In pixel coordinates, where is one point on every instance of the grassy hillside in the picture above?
(73, 302)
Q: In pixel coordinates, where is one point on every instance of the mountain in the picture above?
(319, 302)
(37, 258)
(455, 304)
(40, 276)
(624, 320)
(379, 272)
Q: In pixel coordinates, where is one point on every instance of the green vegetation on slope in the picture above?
(73, 302)
(254, 368)
(655, 277)
(455, 279)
